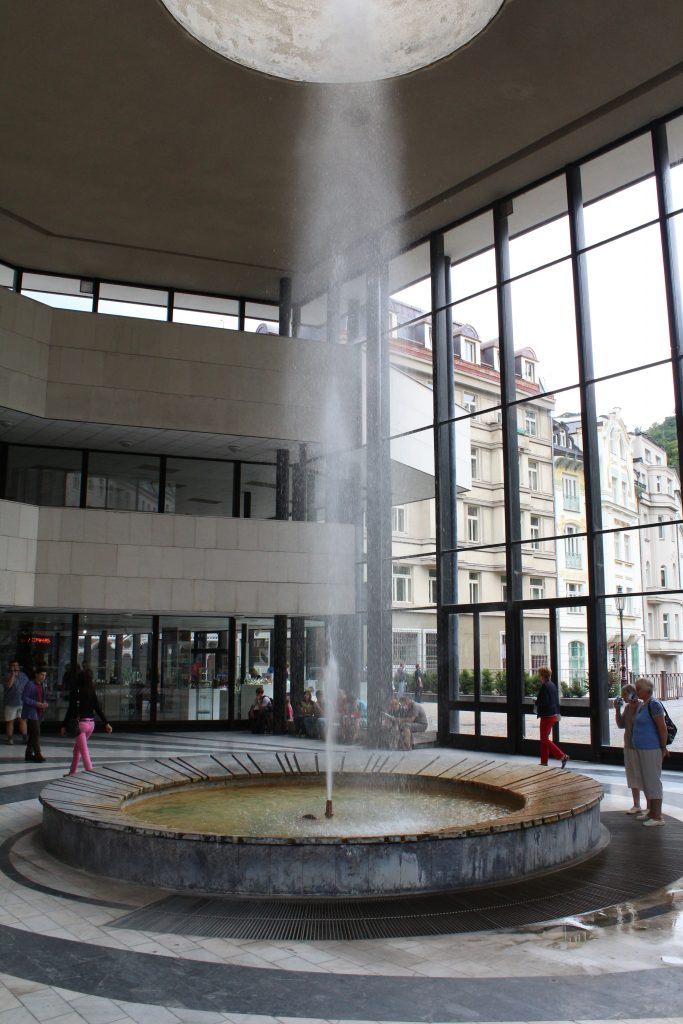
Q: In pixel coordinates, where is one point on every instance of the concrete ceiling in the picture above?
(132, 152)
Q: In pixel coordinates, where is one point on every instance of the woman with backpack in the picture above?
(649, 740)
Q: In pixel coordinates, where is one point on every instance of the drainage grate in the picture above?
(603, 881)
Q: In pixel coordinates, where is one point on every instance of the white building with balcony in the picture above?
(661, 542)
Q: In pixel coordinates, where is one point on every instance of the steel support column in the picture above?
(597, 639)
(297, 624)
(514, 620)
(379, 617)
(672, 274)
(445, 487)
(279, 634)
(154, 669)
(286, 309)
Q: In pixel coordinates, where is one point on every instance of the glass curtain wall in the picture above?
(565, 305)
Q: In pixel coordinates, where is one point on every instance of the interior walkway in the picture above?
(66, 959)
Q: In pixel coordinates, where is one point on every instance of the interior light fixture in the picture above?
(334, 41)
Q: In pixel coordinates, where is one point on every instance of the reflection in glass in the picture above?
(124, 482)
(40, 639)
(117, 650)
(44, 476)
(258, 491)
(199, 487)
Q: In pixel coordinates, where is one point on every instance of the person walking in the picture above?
(83, 706)
(34, 705)
(16, 682)
(400, 680)
(418, 684)
(626, 707)
(548, 712)
(649, 741)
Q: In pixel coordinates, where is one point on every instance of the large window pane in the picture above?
(61, 292)
(470, 248)
(619, 190)
(38, 639)
(117, 650)
(674, 133)
(258, 491)
(199, 487)
(205, 310)
(409, 282)
(626, 404)
(678, 243)
(127, 300)
(126, 482)
(262, 317)
(544, 329)
(633, 332)
(572, 657)
(475, 330)
(539, 227)
(44, 476)
(194, 671)
(6, 276)
(313, 321)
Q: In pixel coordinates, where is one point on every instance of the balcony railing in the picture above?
(571, 502)
(573, 560)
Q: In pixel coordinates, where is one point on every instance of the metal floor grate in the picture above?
(606, 880)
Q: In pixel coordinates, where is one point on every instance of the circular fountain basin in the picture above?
(526, 819)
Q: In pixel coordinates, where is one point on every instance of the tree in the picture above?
(664, 434)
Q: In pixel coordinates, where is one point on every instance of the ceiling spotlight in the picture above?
(127, 444)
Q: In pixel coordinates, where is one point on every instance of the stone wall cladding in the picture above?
(134, 561)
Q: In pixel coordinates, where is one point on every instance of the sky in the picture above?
(626, 295)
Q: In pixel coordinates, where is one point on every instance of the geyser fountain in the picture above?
(528, 819)
(512, 820)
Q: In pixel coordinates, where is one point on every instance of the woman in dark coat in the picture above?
(548, 712)
(83, 706)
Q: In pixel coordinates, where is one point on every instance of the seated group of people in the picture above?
(401, 720)
(310, 718)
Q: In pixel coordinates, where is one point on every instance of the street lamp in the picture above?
(620, 604)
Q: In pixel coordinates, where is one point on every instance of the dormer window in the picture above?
(529, 370)
(469, 350)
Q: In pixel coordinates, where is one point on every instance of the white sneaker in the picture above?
(636, 809)
(642, 816)
(653, 822)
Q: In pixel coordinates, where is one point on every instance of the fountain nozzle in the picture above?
(329, 813)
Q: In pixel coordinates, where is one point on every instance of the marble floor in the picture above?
(65, 959)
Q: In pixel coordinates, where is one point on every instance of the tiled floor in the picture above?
(68, 962)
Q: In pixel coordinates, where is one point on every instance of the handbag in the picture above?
(72, 727)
